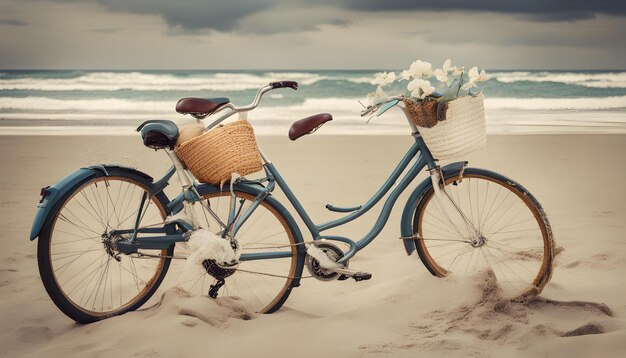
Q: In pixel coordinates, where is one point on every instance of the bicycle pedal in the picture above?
(361, 276)
(357, 276)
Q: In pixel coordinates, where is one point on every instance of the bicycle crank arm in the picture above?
(323, 266)
(356, 275)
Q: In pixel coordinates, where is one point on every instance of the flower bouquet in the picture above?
(445, 105)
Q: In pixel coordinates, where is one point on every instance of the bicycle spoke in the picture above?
(256, 283)
(508, 238)
(86, 273)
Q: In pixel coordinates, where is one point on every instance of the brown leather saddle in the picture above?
(308, 125)
(200, 106)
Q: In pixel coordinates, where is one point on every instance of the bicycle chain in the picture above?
(140, 256)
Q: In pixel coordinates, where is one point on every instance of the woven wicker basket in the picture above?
(426, 113)
(214, 156)
(462, 132)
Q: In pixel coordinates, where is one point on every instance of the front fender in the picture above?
(406, 223)
(52, 194)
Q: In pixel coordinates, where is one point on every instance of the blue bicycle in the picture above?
(107, 234)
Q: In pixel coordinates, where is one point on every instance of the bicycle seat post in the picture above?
(185, 182)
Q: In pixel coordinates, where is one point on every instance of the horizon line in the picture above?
(295, 70)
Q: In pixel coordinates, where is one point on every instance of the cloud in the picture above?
(292, 20)
(13, 22)
(538, 10)
(245, 16)
(193, 15)
(201, 16)
(598, 33)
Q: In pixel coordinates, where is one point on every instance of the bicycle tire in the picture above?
(61, 295)
(485, 178)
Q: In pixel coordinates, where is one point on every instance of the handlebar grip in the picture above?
(283, 84)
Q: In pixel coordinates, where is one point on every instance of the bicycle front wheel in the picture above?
(486, 221)
(261, 285)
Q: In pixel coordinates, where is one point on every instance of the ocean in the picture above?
(115, 102)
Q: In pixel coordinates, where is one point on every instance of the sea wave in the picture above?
(241, 81)
(107, 105)
(114, 109)
(593, 80)
(103, 105)
(46, 116)
(139, 81)
(615, 102)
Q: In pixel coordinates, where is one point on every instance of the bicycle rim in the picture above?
(500, 228)
(86, 274)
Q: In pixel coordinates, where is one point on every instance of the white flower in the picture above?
(376, 97)
(474, 77)
(457, 70)
(384, 78)
(418, 69)
(406, 75)
(442, 74)
(420, 88)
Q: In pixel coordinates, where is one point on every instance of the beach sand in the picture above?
(402, 311)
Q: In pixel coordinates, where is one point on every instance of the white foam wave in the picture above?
(138, 81)
(310, 78)
(118, 116)
(111, 81)
(594, 80)
(587, 103)
(333, 105)
(43, 104)
(301, 77)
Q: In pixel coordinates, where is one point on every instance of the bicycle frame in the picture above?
(423, 158)
(418, 153)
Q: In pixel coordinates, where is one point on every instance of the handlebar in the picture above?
(255, 102)
(283, 84)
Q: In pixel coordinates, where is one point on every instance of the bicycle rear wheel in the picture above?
(79, 266)
(263, 285)
(488, 222)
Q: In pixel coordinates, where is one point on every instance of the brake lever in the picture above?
(368, 110)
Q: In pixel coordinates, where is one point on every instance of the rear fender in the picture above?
(52, 194)
(406, 224)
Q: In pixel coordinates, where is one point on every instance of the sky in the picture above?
(300, 34)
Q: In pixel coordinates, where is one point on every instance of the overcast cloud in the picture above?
(541, 10)
(248, 34)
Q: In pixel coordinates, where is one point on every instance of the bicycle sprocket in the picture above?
(216, 270)
(334, 253)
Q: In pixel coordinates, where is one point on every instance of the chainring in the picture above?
(334, 253)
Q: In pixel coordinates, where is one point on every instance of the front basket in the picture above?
(462, 132)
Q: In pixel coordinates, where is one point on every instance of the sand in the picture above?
(402, 311)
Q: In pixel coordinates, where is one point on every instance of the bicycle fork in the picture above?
(442, 194)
